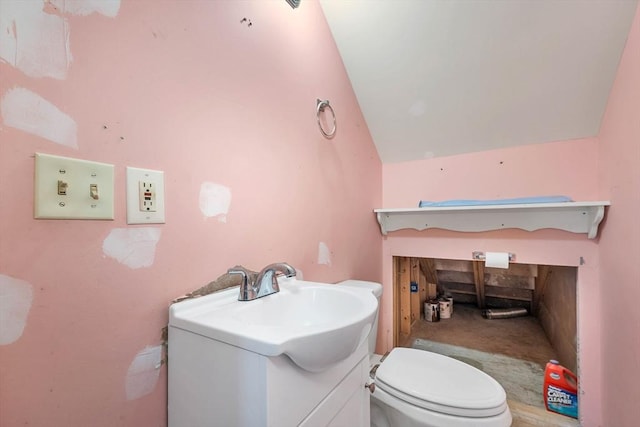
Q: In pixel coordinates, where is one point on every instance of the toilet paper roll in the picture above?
(496, 259)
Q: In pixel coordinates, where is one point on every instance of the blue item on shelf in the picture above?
(514, 201)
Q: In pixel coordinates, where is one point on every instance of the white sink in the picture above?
(314, 324)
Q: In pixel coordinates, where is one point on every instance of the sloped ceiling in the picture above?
(444, 77)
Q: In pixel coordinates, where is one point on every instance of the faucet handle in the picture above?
(238, 269)
(247, 290)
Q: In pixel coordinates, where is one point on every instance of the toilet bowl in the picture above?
(418, 388)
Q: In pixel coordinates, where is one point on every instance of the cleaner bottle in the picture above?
(560, 390)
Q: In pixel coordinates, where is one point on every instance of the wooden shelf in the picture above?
(575, 217)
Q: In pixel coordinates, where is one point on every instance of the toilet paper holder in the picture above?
(480, 256)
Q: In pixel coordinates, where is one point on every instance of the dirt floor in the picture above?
(521, 338)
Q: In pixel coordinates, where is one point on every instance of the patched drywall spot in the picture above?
(29, 112)
(143, 372)
(133, 247)
(324, 254)
(108, 8)
(33, 41)
(15, 302)
(215, 200)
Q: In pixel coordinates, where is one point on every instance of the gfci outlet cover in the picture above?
(137, 211)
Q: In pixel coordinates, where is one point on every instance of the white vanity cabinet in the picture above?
(212, 383)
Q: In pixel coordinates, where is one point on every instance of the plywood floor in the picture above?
(521, 338)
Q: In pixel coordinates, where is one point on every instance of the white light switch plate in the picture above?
(68, 188)
(139, 210)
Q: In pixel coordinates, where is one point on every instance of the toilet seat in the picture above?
(441, 384)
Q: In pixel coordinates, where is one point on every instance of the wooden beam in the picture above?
(478, 277)
(508, 293)
(414, 277)
(452, 265)
(396, 301)
(456, 276)
(506, 280)
(428, 268)
(526, 270)
(404, 269)
(422, 290)
(544, 275)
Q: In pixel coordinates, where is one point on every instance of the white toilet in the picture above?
(417, 388)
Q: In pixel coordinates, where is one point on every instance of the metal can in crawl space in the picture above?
(432, 311)
(446, 307)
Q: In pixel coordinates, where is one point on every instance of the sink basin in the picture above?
(314, 324)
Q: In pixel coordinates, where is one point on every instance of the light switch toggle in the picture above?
(62, 187)
(93, 191)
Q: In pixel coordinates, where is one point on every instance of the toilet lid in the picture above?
(439, 383)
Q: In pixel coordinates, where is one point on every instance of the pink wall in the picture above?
(526, 171)
(620, 243)
(560, 168)
(187, 88)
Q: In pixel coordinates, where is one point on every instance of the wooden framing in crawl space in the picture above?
(521, 285)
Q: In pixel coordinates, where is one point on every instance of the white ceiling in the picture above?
(443, 77)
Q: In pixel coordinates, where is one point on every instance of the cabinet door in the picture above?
(355, 412)
(347, 405)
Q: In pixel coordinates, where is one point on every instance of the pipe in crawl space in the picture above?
(504, 313)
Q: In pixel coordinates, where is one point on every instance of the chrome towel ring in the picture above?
(320, 107)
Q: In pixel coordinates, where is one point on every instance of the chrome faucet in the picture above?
(266, 283)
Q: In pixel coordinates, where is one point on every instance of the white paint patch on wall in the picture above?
(215, 200)
(29, 112)
(143, 372)
(133, 247)
(15, 302)
(324, 254)
(108, 8)
(33, 41)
